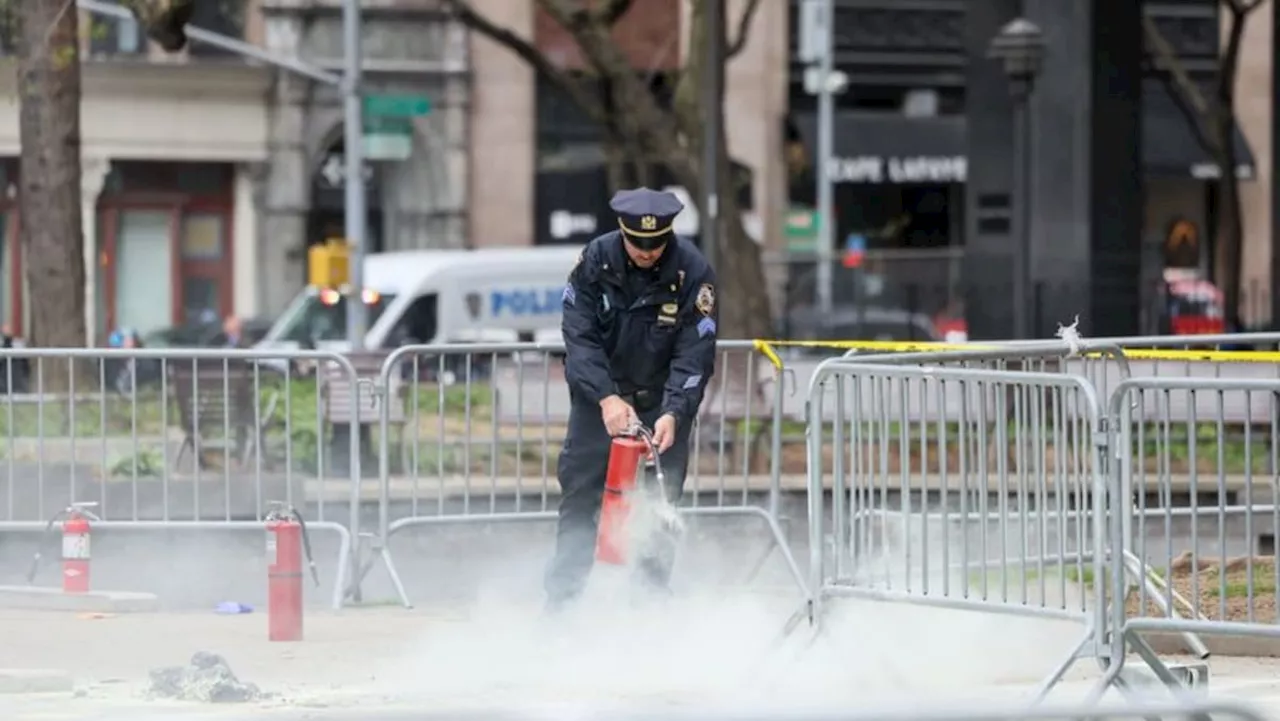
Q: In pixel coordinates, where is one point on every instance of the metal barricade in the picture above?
(470, 433)
(939, 496)
(1195, 463)
(1107, 361)
(178, 440)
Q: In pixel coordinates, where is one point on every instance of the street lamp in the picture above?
(1020, 48)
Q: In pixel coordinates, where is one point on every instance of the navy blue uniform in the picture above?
(647, 335)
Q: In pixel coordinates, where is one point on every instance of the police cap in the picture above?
(645, 216)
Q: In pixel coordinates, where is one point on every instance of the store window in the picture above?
(166, 244)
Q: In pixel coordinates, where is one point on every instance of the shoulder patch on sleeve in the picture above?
(706, 300)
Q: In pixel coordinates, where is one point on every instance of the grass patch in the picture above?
(1018, 577)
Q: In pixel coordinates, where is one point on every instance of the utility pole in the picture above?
(353, 129)
(817, 51)
(712, 81)
(355, 216)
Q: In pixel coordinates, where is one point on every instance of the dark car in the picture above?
(125, 375)
(867, 323)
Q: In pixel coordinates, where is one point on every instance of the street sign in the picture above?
(381, 146)
(813, 31)
(837, 81)
(396, 106)
(334, 171)
(388, 125)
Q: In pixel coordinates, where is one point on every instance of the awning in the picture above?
(1169, 145)
(877, 148)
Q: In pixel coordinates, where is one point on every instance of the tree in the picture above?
(642, 131)
(49, 91)
(49, 179)
(165, 21)
(1213, 121)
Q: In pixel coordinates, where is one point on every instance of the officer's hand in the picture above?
(619, 417)
(664, 432)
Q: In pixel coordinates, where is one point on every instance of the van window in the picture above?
(323, 317)
(417, 325)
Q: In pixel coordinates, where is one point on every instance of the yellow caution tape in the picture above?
(767, 348)
(1204, 356)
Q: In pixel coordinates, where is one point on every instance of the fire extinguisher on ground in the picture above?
(287, 542)
(75, 520)
(618, 509)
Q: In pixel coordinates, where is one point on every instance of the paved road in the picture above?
(495, 661)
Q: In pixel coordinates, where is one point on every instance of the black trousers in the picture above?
(582, 467)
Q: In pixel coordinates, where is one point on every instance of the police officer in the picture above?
(639, 329)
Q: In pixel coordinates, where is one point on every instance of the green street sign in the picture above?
(396, 106)
(382, 125)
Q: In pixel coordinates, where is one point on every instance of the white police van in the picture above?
(499, 295)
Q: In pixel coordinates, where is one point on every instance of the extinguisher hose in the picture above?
(45, 538)
(646, 435)
(306, 545)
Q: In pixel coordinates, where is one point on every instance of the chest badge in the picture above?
(667, 314)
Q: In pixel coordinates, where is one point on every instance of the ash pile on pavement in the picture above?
(208, 679)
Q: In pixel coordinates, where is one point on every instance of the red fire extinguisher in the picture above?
(287, 541)
(625, 456)
(75, 520)
(75, 552)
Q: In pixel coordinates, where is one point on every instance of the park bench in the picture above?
(220, 408)
(345, 411)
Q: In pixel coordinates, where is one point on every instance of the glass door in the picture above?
(143, 268)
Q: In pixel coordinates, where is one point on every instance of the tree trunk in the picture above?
(1228, 249)
(49, 200)
(743, 299)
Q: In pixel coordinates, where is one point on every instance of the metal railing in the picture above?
(173, 440)
(965, 488)
(487, 423)
(1195, 463)
(1053, 480)
(976, 479)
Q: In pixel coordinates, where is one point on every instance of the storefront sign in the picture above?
(910, 169)
(565, 224)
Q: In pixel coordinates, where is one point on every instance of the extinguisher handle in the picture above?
(646, 435)
(82, 508)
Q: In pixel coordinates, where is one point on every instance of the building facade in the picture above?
(540, 172)
(169, 150)
(924, 154)
(417, 194)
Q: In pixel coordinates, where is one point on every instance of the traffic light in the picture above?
(165, 21)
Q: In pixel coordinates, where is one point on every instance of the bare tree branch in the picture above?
(1240, 8)
(164, 20)
(611, 12)
(464, 13)
(644, 122)
(1182, 88)
(1213, 123)
(739, 41)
